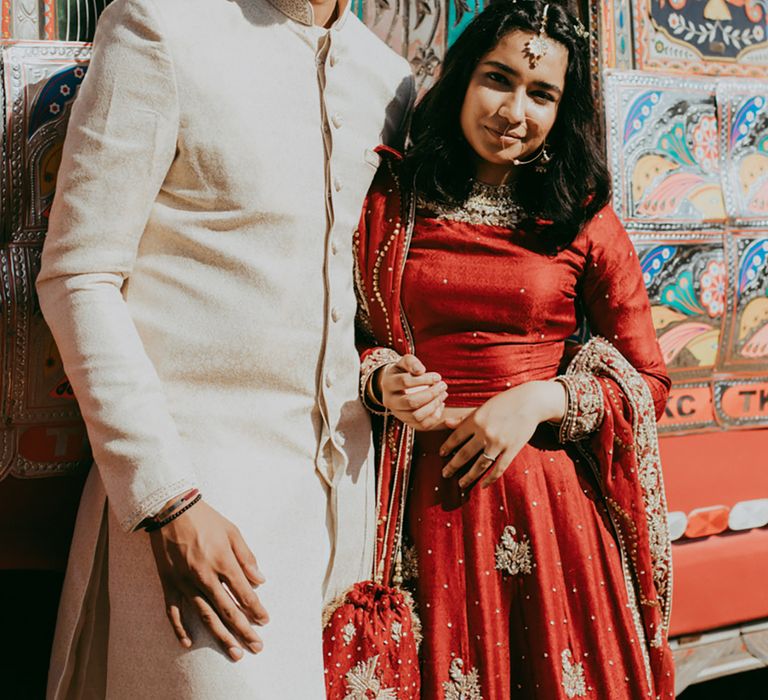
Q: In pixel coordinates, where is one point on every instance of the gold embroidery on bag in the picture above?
(348, 631)
(364, 684)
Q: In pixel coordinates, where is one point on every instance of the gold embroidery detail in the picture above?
(348, 632)
(585, 410)
(363, 317)
(297, 10)
(486, 204)
(574, 684)
(599, 357)
(397, 632)
(513, 556)
(410, 563)
(374, 360)
(363, 683)
(461, 686)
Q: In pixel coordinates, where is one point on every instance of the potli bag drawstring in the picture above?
(371, 633)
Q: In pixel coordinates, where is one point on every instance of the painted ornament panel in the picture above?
(741, 389)
(427, 39)
(748, 314)
(743, 110)
(664, 152)
(386, 18)
(689, 408)
(45, 433)
(66, 20)
(712, 37)
(686, 281)
(617, 49)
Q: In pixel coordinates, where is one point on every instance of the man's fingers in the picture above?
(217, 628)
(232, 616)
(173, 611)
(481, 465)
(246, 598)
(246, 559)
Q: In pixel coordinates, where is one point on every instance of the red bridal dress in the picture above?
(555, 582)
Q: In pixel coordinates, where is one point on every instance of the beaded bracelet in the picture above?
(157, 524)
(188, 496)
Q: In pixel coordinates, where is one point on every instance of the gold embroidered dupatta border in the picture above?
(599, 358)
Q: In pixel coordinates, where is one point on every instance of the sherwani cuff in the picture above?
(149, 505)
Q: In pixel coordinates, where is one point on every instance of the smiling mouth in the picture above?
(503, 135)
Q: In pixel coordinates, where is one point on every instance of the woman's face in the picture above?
(510, 106)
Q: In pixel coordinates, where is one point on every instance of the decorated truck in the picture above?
(683, 86)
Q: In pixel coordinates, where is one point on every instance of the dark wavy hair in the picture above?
(441, 163)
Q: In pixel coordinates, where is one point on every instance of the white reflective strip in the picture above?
(746, 515)
(678, 521)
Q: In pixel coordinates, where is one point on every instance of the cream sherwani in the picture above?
(198, 280)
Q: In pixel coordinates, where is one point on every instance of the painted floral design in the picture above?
(712, 288)
(705, 145)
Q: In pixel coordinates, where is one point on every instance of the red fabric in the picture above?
(489, 309)
(370, 646)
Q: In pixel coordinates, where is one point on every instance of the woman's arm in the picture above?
(617, 307)
(616, 302)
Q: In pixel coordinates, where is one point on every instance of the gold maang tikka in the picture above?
(537, 46)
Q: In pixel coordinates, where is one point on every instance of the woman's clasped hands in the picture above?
(413, 395)
(495, 432)
(491, 435)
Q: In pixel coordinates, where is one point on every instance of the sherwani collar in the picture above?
(301, 11)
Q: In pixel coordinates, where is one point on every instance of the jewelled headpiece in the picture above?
(537, 46)
(580, 30)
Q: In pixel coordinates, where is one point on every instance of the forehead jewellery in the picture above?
(537, 46)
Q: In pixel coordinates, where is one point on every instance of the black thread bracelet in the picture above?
(152, 527)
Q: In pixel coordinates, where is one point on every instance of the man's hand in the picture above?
(202, 558)
(413, 395)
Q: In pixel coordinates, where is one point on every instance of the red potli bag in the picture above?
(371, 633)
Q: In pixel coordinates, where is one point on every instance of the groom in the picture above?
(197, 277)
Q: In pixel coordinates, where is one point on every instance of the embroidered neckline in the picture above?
(492, 205)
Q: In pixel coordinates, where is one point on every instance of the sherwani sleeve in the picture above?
(120, 144)
(616, 305)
